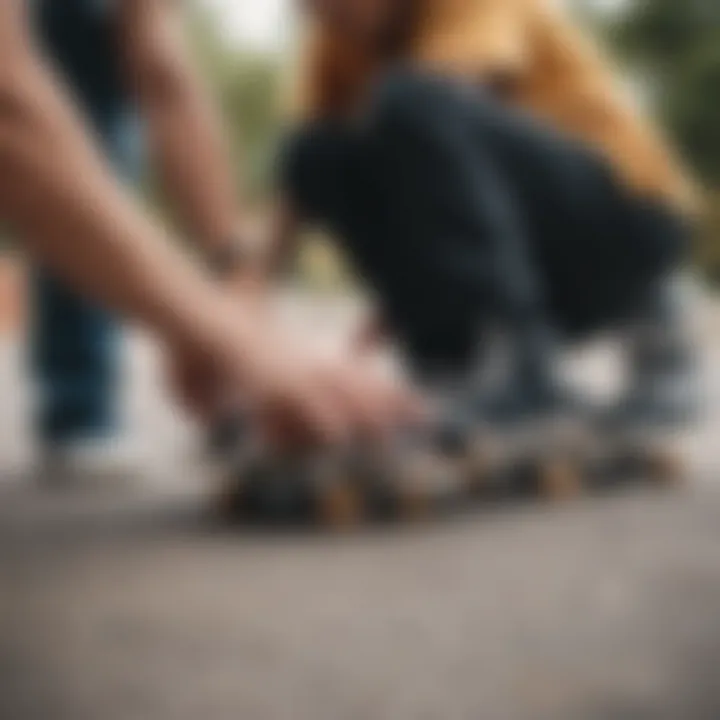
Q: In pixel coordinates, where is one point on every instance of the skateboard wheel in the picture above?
(479, 467)
(559, 480)
(430, 481)
(414, 505)
(340, 506)
(231, 500)
(665, 468)
(235, 490)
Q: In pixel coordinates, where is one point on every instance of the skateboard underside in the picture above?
(422, 485)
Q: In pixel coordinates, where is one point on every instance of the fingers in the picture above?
(381, 404)
(301, 399)
(303, 415)
(359, 403)
(362, 400)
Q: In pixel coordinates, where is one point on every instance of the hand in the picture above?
(297, 398)
(329, 402)
(370, 335)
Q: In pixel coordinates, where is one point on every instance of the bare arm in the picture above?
(187, 140)
(58, 195)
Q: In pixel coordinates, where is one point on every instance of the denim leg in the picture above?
(74, 345)
(74, 348)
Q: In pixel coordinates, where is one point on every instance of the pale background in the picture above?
(263, 24)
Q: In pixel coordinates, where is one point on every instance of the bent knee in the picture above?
(313, 163)
(411, 99)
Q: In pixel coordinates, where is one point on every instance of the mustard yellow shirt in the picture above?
(554, 71)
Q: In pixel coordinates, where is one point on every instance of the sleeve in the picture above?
(480, 38)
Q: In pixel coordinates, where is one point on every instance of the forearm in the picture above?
(187, 141)
(191, 159)
(59, 197)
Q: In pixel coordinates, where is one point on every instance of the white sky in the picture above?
(257, 24)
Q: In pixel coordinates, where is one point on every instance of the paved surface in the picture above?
(132, 605)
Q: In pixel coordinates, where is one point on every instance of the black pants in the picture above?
(464, 214)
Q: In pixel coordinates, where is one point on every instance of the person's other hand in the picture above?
(297, 397)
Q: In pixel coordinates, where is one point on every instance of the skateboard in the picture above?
(412, 478)
(426, 477)
(337, 489)
(571, 459)
(656, 456)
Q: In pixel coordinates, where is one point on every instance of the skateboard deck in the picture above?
(345, 490)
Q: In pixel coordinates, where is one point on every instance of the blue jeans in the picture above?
(75, 345)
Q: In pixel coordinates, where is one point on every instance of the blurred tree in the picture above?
(676, 45)
(247, 86)
(673, 48)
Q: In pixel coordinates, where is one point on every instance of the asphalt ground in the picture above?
(131, 603)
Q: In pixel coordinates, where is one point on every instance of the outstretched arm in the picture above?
(189, 145)
(61, 199)
(187, 140)
(58, 195)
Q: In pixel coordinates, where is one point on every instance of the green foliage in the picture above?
(250, 99)
(664, 31)
(677, 45)
(707, 250)
(693, 109)
(247, 86)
